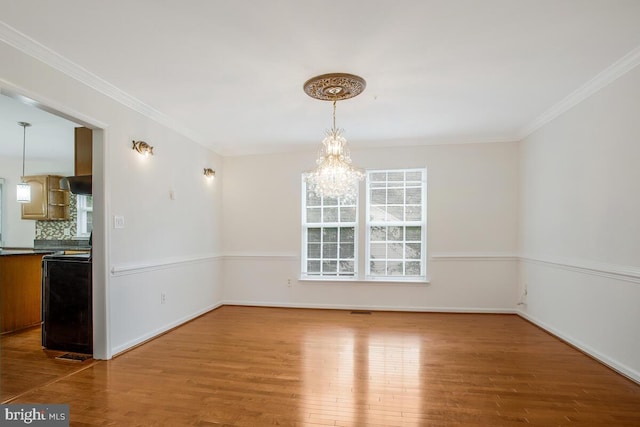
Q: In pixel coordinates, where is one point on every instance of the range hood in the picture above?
(79, 184)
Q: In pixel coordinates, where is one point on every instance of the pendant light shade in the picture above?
(24, 192)
(23, 189)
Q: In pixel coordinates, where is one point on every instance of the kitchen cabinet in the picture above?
(20, 291)
(83, 157)
(48, 200)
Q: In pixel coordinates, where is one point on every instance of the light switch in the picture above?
(118, 221)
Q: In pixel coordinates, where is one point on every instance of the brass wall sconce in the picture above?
(209, 173)
(143, 148)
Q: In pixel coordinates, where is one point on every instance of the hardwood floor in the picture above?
(244, 366)
(24, 365)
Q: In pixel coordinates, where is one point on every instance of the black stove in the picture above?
(67, 302)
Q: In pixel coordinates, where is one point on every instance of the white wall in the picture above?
(167, 246)
(472, 231)
(16, 232)
(580, 233)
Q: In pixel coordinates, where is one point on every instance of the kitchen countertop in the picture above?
(62, 245)
(10, 251)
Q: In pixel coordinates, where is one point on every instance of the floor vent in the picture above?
(74, 357)
(360, 312)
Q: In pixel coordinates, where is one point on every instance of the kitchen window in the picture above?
(393, 246)
(84, 207)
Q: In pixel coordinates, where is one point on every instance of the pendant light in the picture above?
(24, 189)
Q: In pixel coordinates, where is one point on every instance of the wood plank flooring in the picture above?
(248, 366)
(24, 365)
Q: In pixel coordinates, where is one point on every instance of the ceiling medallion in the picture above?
(334, 86)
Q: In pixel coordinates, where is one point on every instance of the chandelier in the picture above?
(334, 175)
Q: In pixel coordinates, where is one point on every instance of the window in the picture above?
(329, 236)
(394, 230)
(84, 208)
(396, 223)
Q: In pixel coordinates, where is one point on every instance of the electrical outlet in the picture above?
(118, 221)
(289, 282)
(163, 297)
(523, 296)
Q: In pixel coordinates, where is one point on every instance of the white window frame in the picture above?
(361, 228)
(81, 216)
(306, 225)
(369, 223)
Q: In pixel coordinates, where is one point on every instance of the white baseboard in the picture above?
(372, 307)
(146, 337)
(611, 363)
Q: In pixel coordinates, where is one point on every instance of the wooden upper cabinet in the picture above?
(83, 151)
(48, 200)
(37, 208)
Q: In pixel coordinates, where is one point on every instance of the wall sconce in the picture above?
(209, 173)
(143, 148)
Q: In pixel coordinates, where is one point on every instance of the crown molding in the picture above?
(604, 78)
(33, 48)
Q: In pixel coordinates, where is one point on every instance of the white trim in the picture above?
(33, 48)
(237, 256)
(126, 269)
(611, 271)
(612, 363)
(474, 256)
(156, 332)
(604, 78)
(372, 307)
(399, 281)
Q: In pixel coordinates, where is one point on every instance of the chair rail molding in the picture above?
(594, 268)
(161, 264)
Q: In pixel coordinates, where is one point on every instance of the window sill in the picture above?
(367, 281)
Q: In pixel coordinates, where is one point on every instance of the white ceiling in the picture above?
(230, 73)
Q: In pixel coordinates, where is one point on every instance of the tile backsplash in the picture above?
(60, 230)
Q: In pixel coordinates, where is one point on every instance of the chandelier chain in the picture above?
(334, 114)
